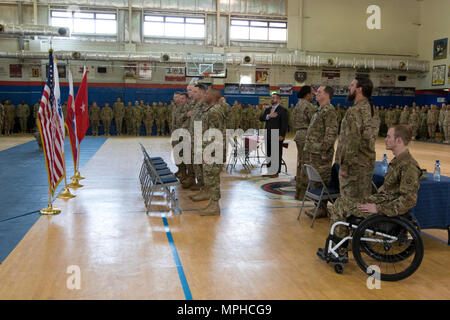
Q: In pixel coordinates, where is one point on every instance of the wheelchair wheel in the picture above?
(392, 244)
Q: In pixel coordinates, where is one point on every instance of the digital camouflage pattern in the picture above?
(356, 150)
(396, 196)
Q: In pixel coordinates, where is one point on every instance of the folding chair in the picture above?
(317, 195)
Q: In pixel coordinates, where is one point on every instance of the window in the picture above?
(100, 23)
(257, 30)
(174, 27)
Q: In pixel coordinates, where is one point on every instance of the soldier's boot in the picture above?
(200, 196)
(213, 209)
(342, 251)
(188, 182)
(322, 212)
(195, 186)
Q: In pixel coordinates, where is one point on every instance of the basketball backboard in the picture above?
(206, 65)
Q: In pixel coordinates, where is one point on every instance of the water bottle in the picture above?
(384, 163)
(437, 171)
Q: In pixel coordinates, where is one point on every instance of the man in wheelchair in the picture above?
(395, 197)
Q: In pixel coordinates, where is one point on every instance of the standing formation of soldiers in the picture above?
(142, 118)
(205, 107)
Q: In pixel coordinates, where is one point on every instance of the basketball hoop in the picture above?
(207, 74)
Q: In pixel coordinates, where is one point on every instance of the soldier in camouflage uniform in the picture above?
(320, 138)
(106, 114)
(159, 119)
(129, 125)
(10, 116)
(94, 118)
(186, 123)
(212, 117)
(301, 118)
(226, 110)
(35, 112)
(404, 116)
(23, 112)
(446, 124)
(356, 145)
(423, 129)
(414, 123)
(148, 120)
(397, 112)
(119, 113)
(290, 118)
(198, 95)
(137, 118)
(178, 117)
(396, 196)
(432, 121)
(441, 119)
(2, 117)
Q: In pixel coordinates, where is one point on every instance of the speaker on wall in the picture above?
(401, 78)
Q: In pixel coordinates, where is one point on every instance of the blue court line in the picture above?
(184, 283)
(435, 238)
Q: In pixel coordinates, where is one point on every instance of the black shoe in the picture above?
(328, 257)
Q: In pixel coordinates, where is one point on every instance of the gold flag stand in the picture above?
(77, 177)
(65, 194)
(50, 210)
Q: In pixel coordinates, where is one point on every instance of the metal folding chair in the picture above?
(316, 195)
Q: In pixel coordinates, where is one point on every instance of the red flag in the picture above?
(71, 123)
(52, 135)
(81, 109)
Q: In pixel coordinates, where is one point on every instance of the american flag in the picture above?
(51, 127)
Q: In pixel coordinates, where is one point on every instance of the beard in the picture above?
(351, 97)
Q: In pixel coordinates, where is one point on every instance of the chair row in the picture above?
(156, 176)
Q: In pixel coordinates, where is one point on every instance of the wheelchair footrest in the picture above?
(328, 257)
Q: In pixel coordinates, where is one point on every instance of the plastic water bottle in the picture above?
(385, 163)
(437, 171)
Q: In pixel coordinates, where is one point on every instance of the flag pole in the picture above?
(65, 194)
(49, 210)
(77, 177)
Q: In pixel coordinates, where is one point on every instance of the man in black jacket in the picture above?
(276, 118)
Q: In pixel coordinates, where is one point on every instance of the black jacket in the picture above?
(280, 122)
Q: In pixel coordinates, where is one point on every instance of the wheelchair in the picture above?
(389, 246)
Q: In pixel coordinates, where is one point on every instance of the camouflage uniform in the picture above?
(212, 118)
(356, 151)
(301, 118)
(2, 118)
(197, 110)
(23, 112)
(106, 114)
(432, 121)
(423, 129)
(148, 120)
(94, 118)
(129, 119)
(36, 110)
(404, 117)
(159, 119)
(169, 117)
(446, 125)
(396, 196)
(390, 118)
(414, 124)
(10, 116)
(119, 113)
(137, 119)
(441, 121)
(319, 144)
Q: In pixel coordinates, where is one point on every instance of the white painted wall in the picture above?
(435, 25)
(340, 26)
